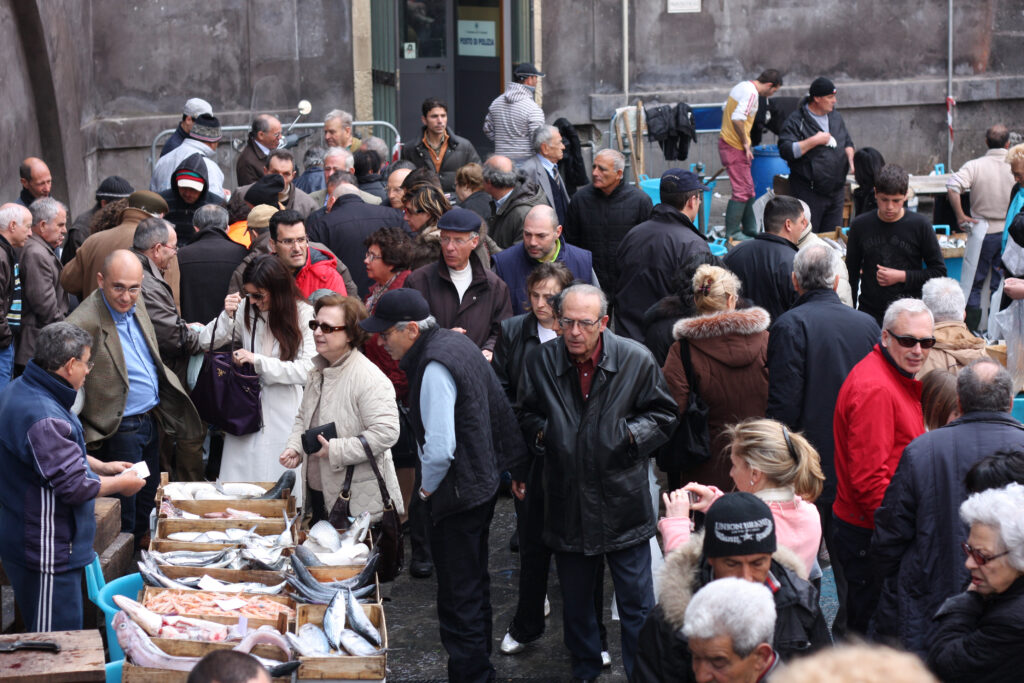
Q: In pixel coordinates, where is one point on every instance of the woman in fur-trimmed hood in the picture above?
(729, 352)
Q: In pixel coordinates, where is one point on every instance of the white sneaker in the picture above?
(511, 646)
(606, 659)
(547, 607)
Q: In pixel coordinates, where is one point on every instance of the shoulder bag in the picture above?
(692, 442)
(226, 395)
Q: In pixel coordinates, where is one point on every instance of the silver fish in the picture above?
(334, 620)
(356, 532)
(357, 619)
(307, 556)
(311, 641)
(326, 535)
(188, 558)
(239, 489)
(356, 645)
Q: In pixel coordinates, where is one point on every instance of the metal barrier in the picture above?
(154, 155)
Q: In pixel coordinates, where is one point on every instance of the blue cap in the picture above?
(397, 306)
(460, 220)
(676, 181)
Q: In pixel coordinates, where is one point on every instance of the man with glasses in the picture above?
(918, 529)
(878, 412)
(593, 407)
(129, 388)
(462, 294)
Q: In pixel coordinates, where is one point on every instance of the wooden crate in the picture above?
(165, 527)
(342, 572)
(347, 667)
(266, 485)
(186, 648)
(150, 592)
(227, 575)
(271, 509)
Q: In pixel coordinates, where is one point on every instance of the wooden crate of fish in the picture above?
(234, 490)
(326, 636)
(215, 534)
(333, 547)
(224, 608)
(227, 509)
(321, 588)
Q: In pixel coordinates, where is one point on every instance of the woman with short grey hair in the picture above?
(980, 633)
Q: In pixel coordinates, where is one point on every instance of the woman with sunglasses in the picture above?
(276, 343)
(978, 635)
(346, 389)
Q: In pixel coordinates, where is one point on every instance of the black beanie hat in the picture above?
(738, 524)
(114, 187)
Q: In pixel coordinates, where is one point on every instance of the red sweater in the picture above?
(878, 413)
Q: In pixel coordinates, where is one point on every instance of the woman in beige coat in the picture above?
(349, 390)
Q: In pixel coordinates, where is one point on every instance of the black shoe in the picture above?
(513, 543)
(421, 569)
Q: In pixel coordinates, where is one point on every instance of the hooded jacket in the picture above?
(506, 225)
(511, 119)
(955, 348)
(320, 272)
(457, 154)
(729, 351)
(824, 168)
(180, 212)
(664, 655)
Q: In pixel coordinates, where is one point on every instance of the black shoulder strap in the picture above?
(384, 496)
(684, 355)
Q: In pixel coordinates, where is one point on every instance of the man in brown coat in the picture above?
(956, 347)
(264, 137)
(43, 300)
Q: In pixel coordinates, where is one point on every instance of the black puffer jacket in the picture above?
(918, 532)
(595, 453)
(180, 212)
(824, 168)
(597, 222)
(459, 153)
(764, 265)
(664, 656)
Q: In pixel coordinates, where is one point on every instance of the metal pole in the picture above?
(625, 51)
(949, 89)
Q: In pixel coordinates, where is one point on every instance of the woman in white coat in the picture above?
(276, 339)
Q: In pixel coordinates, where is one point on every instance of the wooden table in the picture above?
(80, 658)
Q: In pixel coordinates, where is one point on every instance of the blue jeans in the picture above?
(6, 365)
(136, 439)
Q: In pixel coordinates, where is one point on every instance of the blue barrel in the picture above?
(766, 165)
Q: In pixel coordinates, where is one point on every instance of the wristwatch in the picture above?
(423, 494)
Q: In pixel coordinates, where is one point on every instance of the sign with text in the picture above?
(476, 39)
(681, 6)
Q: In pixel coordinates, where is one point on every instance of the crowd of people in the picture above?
(463, 327)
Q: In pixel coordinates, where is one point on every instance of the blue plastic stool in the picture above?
(102, 595)
(717, 247)
(114, 670)
(1018, 407)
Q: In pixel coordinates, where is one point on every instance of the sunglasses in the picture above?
(324, 327)
(979, 559)
(909, 342)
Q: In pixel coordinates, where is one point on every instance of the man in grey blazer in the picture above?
(542, 168)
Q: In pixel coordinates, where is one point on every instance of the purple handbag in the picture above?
(227, 396)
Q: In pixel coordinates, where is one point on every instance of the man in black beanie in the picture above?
(738, 541)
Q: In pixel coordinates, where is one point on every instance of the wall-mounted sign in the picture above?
(476, 39)
(409, 50)
(680, 6)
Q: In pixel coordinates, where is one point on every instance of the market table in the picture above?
(80, 658)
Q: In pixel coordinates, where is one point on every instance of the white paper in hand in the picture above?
(140, 468)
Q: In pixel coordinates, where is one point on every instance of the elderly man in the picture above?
(36, 181)
(190, 190)
(129, 388)
(729, 625)
(468, 435)
(515, 114)
(739, 541)
(43, 300)
(593, 407)
(878, 412)
(397, 173)
(917, 528)
(206, 264)
(339, 160)
(279, 162)
(462, 294)
(338, 130)
(810, 238)
(651, 253)
(511, 197)
(819, 150)
(439, 148)
(204, 138)
(15, 230)
(765, 264)
(49, 482)
(264, 137)
(990, 182)
(194, 107)
(955, 346)
(542, 168)
(542, 243)
(600, 215)
(736, 152)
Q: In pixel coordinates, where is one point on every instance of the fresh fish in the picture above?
(285, 539)
(356, 645)
(196, 558)
(334, 620)
(240, 489)
(208, 583)
(242, 514)
(307, 556)
(311, 641)
(212, 494)
(357, 619)
(173, 626)
(212, 536)
(353, 554)
(312, 546)
(265, 635)
(357, 530)
(169, 509)
(285, 481)
(155, 577)
(326, 535)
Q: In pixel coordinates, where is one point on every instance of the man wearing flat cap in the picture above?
(515, 114)
(819, 150)
(462, 294)
(204, 137)
(652, 251)
(467, 436)
(193, 109)
(739, 540)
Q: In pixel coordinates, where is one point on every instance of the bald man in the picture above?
(35, 181)
(129, 387)
(15, 229)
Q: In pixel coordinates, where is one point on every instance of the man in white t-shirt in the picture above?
(735, 150)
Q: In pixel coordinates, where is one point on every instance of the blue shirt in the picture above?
(548, 165)
(437, 410)
(143, 380)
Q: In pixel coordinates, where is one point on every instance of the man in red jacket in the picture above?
(313, 268)
(878, 413)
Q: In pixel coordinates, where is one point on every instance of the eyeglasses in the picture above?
(909, 342)
(292, 241)
(979, 559)
(371, 257)
(414, 211)
(255, 296)
(121, 289)
(387, 333)
(457, 241)
(172, 247)
(569, 323)
(88, 364)
(324, 327)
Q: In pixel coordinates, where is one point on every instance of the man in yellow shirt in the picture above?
(735, 150)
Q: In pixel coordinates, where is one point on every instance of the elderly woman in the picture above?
(469, 188)
(979, 634)
(347, 389)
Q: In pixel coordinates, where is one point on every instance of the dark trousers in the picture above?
(419, 522)
(459, 545)
(137, 439)
(852, 545)
(634, 595)
(826, 209)
(988, 259)
(825, 513)
(48, 602)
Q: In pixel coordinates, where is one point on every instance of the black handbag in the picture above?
(692, 442)
(226, 395)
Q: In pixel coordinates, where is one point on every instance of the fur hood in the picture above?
(682, 570)
(746, 321)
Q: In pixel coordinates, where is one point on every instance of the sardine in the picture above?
(356, 645)
(285, 481)
(334, 620)
(326, 535)
(357, 619)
